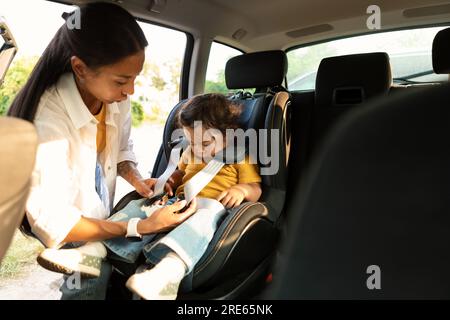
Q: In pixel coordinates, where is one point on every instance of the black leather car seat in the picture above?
(376, 197)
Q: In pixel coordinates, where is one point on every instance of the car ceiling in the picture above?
(265, 23)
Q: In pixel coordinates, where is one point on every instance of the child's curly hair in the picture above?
(213, 109)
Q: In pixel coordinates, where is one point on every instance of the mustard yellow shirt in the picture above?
(228, 176)
(101, 129)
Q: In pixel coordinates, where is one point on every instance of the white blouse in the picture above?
(63, 181)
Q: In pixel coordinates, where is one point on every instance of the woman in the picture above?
(78, 98)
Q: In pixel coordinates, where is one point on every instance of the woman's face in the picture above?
(113, 83)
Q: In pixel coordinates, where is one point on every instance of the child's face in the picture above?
(205, 143)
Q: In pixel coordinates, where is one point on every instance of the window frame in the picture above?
(228, 45)
(209, 55)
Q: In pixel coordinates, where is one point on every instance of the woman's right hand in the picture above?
(166, 218)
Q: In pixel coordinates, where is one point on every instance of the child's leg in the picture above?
(176, 254)
(161, 282)
(190, 239)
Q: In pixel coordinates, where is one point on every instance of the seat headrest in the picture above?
(256, 70)
(351, 79)
(441, 52)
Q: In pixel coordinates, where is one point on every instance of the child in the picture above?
(175, 254)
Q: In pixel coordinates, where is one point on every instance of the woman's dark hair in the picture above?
(213, 109)
(108, 33)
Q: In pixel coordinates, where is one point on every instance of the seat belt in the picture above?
(199, 180)
(174, 158)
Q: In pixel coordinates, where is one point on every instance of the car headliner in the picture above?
(266, 23)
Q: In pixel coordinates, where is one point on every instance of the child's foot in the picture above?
(86, 260)
(161, 282)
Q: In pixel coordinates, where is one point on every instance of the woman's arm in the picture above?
(128, 171)
(88, 229)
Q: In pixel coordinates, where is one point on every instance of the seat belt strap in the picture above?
(198, 181)
(174, 158)
(201, 179)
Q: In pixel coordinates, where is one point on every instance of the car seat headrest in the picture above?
(441, 52)
(256, 70)
(351, 79)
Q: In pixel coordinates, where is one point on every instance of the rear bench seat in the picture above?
(343, 83)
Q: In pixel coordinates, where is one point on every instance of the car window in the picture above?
(30, 44)
(156, 93)
(215, 73)
(409, 52)
(156, 89)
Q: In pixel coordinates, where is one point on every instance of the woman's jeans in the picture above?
(77, 288)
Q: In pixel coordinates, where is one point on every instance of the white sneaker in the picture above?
(86, 260)
(161, 282)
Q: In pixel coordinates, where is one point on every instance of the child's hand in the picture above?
(170, 187)
(174, 182)
(232, 197)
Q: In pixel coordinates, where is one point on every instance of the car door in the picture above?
(8, 48)
(13, 133)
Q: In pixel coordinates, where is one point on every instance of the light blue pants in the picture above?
(188, 240)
